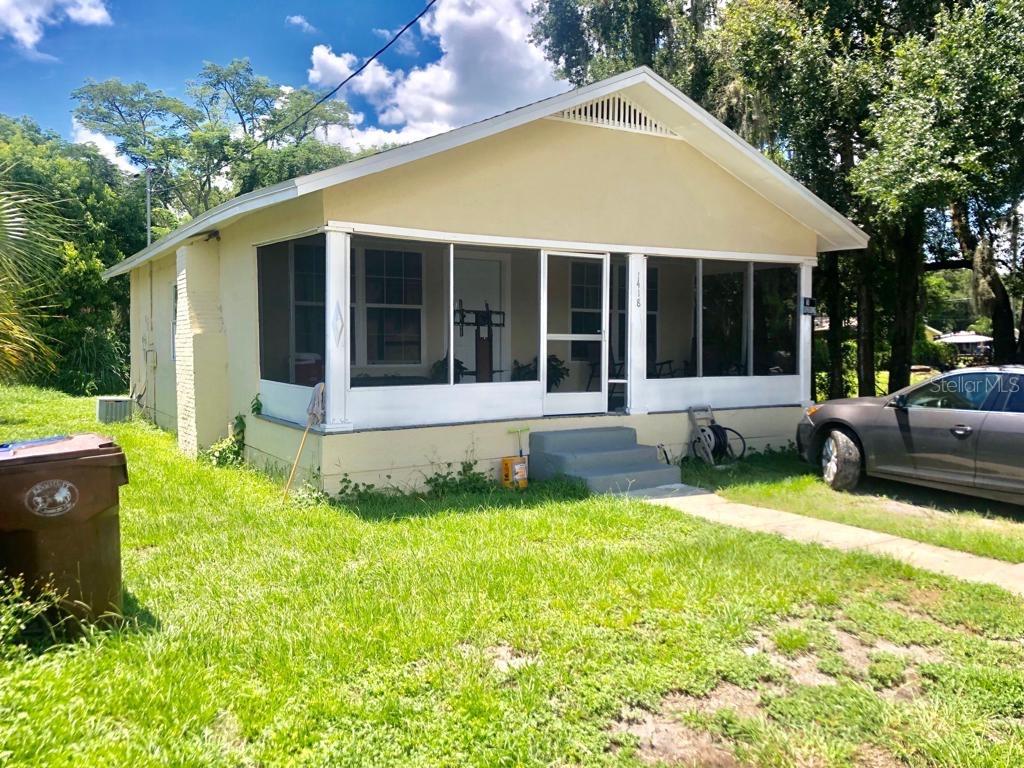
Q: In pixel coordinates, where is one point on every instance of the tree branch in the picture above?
(938, 266)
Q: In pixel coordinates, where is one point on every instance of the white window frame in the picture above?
(573, 309)
(358, 299)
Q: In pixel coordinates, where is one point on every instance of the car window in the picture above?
(1015, 399)
(964, 391)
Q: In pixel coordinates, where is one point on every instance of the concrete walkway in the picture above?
(961, 565)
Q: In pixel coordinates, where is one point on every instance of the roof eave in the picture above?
(228, 211)
(835, 232)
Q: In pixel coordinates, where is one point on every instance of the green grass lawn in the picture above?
(783, 481)
(497, 630)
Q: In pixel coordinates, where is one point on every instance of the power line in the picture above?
(355, 73)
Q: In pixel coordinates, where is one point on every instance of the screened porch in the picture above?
(422, 329)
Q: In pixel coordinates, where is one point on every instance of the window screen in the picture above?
(291, 290)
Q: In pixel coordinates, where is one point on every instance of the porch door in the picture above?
(574, 332)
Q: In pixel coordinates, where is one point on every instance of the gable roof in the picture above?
(667, 107)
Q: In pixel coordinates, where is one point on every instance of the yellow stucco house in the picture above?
(618, 232)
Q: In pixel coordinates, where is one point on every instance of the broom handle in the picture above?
(298, 455)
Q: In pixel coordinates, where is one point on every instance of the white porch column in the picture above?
(636, 339)
(336, 305)
(806, 339)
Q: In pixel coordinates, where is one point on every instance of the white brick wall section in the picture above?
(183, 362)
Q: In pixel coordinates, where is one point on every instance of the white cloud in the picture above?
(487, 66)
(25, 20)
(356, 137)
(300, 22)
(328, 69)
(405, 45)
(106, 146)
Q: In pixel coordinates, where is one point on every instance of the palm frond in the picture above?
(30, 257)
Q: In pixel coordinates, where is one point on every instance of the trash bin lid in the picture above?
(58, 448)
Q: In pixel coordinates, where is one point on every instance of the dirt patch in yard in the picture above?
(916, 654)
(743, 701)
(854, 652)
(505, 658)
(906, 691)
(870, 756)
(502, 656)
(663, 739)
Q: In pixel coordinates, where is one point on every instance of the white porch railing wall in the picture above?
(351, 408)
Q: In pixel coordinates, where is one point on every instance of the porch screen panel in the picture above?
(495, 314)
(399, 329)
(671, 318)
(776, 328)
(585, 294)
(725, 319)
(291, 279)
(569, 374)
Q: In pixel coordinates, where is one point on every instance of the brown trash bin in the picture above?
(59, 518)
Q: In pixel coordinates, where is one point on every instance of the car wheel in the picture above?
(840, 461)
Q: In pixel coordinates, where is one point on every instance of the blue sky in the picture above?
(467, 59)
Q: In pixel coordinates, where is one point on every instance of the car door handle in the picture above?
(961, 430)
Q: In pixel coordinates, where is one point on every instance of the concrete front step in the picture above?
(572, 440)
(630, 479)
(551, 464)
(607, 459)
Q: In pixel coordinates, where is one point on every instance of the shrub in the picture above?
(935, 355)
(467, 479)
(229, 452)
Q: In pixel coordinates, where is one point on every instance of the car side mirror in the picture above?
(899, 402)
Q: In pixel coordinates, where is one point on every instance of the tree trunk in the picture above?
(907, 253)
(833, 294)
(866, 326)
(1020, 336)
(1004, 345)
(979, 250)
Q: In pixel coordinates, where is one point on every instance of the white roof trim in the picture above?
(851, 237)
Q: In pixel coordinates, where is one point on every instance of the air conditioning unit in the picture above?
(111, 409)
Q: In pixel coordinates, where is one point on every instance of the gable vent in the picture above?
(615, 112)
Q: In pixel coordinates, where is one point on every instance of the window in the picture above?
(394, 303)
(725, 318)
(965, 392)
(291, 290)
(309, 282)
(585, 303)
(399, 303)
(1015, 398)
(776, 292)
